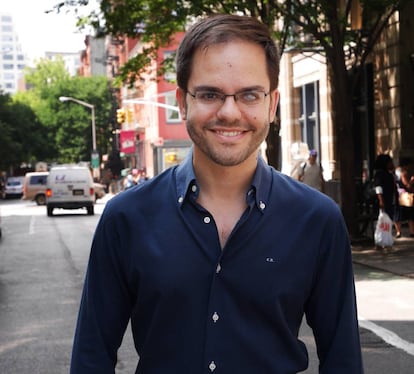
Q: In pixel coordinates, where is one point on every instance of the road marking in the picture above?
(32, 225)
(387, 335)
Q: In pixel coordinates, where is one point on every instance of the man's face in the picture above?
(312, 159)
(228, 132)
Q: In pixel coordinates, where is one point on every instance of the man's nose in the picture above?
(230, 109)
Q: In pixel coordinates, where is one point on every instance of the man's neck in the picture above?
(224, 181)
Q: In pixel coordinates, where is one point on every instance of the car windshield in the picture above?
(14, 183)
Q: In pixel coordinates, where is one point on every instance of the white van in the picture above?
(70, 187)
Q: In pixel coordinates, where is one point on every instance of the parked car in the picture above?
(34, 187)
(13, 187)
(70, 187)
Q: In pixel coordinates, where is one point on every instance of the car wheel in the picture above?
(40, 199)
(90, 210)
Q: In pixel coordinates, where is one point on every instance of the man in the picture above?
(311, 172)
(216, 261)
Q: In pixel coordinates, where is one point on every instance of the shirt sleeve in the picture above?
(331, 310)
(105, 305)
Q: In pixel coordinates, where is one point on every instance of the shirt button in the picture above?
(180, 199)
(218, 268)
(194, 188)
(212, 366)
(207, 219)
(262, 205)
(215, 317)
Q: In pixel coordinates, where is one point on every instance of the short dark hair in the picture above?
(382, 161)
(221, 29)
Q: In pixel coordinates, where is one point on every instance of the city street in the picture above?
(42, 266)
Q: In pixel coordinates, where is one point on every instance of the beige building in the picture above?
(383, 105)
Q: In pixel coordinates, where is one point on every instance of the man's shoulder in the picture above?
(142, 194)
(295, 192)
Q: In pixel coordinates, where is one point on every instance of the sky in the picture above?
(39, 32)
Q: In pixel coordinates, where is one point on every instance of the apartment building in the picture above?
(12, 58)
(383, 119)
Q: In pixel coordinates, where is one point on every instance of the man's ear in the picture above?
(182, 105)
(274, 101)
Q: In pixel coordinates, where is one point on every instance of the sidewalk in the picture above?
(398, 260)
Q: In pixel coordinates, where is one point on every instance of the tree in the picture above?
(20, 139)
(54, 131)
(322, 27)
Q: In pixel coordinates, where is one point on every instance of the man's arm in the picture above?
(331, 310)
(105, 307)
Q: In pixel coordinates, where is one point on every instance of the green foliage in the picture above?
(313, 25)
(46, 73)
(20, 139)
(75, 119)
(36, 126)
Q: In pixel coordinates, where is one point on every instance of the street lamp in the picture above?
(90, 106)
(95, 155)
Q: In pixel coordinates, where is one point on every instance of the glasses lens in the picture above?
(208, 97)
(250, 97)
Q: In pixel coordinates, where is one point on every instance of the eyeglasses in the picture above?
(214, 99)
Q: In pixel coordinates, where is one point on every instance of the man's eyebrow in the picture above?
(216, 89)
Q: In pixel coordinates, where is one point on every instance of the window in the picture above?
(8, 57)
(309, 114)
(172, 115)
(8, 76)
(169, 63)
(6, 48)
(20, 57)
(8, 66)
(6, 38)
(7, 28)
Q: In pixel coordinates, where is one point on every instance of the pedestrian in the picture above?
(129, 182)
(216, 261)
(311, 172)
(386, 189)
(405, 184)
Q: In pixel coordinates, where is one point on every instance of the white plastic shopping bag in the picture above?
(383, 231)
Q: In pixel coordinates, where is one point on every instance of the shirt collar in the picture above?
(261, 183)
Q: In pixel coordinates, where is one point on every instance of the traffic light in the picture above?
(130, 116)
(171, 157)
(120, 115)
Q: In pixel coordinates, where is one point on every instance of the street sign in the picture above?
(95, 160)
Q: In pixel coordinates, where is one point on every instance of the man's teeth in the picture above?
(229, 133)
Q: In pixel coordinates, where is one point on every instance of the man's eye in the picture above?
(249, 96)
(208, 96)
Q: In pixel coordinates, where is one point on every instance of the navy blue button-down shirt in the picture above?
(198, 308)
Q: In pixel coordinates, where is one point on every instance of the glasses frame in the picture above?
(223, 97)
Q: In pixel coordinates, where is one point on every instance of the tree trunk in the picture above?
(273, 145)
(342, 118)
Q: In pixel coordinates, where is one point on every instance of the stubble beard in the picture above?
(226, 154)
